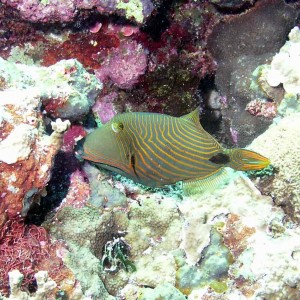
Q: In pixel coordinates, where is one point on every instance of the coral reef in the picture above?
(28, 248)
(65, 89)
(85, 47)
(50, 11)
(18, 249)
(103, 109)
(281, 76)
(101, 236)
(284, 184)
(209, 240)
(259, 108)
(27, 155)
(124, 66)
(284, 67)
(26, 169)
(162, 291)
(85, 244)
(44, 286)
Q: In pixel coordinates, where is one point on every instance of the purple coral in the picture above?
(124, 66)
(66, 11)
(103, 109)
(37, 11)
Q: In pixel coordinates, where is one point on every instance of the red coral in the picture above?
(52, 106)
(83, 47)
(22, 247)
(71, 136)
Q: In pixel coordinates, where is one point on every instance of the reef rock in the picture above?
(65, 89)
(284, 184)
(44, 283)
(239, 44)
(49, 11)
(285, 65)
(211, 244)
(26, 151)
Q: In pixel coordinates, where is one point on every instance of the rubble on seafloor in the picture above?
(98, 236)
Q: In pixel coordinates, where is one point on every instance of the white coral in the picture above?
(45, 286)
(17, 145)
(285, 66)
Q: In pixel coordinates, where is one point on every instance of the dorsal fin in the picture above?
(193, 116)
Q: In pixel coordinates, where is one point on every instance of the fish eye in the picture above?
(117, 127)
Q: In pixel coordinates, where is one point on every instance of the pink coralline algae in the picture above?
(259, 108)
(104, 109)
(124, 66)
(71, 136)
(78, 192)
(44, 11)
(49, 11)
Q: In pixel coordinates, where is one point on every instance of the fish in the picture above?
(157, 150)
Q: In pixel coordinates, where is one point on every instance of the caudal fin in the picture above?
(246, 160)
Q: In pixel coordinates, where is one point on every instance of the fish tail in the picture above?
(246, 160)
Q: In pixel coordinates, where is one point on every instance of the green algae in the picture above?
(289, 105)
(219, 286)
(116, 256)
(133, 9)
(265, 172)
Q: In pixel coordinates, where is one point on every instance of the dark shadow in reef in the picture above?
(158, 22)
(65, 163)
(233, 6)
(211, 117)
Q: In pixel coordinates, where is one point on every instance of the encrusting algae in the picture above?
(157, 149)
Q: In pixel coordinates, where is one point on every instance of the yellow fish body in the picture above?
(156, 149)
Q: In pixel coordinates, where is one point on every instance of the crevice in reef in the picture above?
(158, 22)
(65, 164)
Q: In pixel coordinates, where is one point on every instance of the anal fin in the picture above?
(209, 183)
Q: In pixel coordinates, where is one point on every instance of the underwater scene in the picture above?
(150, 149)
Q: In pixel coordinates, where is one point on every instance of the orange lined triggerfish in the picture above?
(157, 149)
